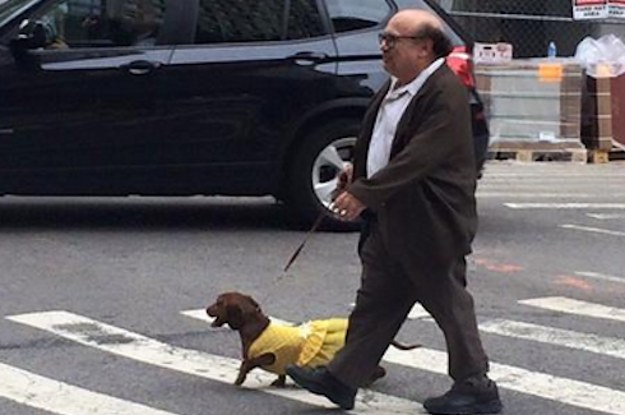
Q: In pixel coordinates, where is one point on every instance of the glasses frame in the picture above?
(391, 40)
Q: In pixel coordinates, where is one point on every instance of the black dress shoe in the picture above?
(321, 382)
(477, 395)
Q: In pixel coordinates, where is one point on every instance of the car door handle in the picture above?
(309, 57)
(141, 67)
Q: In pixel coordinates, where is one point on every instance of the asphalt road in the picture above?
(92, 293)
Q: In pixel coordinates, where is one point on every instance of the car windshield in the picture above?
(10, 7)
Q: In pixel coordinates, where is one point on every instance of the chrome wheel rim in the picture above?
(328, 165)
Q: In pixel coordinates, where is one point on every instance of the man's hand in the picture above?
(345, 178)
(347, 207)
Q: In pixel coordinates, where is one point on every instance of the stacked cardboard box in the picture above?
(618, 110)
(604, 108)
(597, 114)
(534, 105)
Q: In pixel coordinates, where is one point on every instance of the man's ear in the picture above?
(235, 316)
(426, 48)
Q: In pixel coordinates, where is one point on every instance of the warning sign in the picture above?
(598, 9)
(590, 9)
(616, 8)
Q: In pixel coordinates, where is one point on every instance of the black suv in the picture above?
(186, 97)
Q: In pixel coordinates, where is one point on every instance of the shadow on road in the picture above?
(141, 213)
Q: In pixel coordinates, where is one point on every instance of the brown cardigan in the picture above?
(424, 199)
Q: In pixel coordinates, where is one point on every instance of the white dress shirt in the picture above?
(391, 110)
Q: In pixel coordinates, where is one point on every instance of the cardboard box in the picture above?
(617, 90)
(492, 53)
(597, 110)
(603, 107)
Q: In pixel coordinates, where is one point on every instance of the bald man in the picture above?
(413, 184)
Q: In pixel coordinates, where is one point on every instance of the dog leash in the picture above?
(313, 228)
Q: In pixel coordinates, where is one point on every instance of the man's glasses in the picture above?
(391, 40)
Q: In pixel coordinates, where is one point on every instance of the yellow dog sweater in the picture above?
(310, 344)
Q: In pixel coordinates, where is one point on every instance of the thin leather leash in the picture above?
(312, 230)
(299, 249)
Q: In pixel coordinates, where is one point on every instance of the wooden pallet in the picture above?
(534, 152)
(616, 154)
(575, 155)
(605, 156)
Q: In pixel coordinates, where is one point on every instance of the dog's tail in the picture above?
(402, 346)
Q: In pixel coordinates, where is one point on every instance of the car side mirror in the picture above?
(32, 35)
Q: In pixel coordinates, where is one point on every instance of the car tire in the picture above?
(481, 152)
(314, 172)
(481, 135)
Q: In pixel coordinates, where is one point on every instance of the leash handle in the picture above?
(313, 228)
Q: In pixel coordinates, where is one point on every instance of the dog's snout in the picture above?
(215, 312)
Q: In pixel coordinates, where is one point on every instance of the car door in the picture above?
(249, 71)
(80, 113)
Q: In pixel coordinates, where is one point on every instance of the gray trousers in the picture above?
(384, 299)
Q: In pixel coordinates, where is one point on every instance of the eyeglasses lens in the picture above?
(387, 38)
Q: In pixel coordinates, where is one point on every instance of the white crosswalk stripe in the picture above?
(581, 341)
(200, 314)
(539, 177)
(577, 307)
(599, 276)
(559, 206)
(545, 195)
(61, 398)
(592, 229)
(606, 216)
(417, 312)
(134, 346)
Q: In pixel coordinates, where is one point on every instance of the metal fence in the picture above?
(529, 25)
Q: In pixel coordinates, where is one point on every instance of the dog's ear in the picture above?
(253, 303)
(235, 316)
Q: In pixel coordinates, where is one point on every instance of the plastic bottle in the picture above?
(552, 50)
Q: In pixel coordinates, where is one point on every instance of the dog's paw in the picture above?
(280, 382)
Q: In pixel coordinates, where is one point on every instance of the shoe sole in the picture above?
(488, 408)
(317, 390)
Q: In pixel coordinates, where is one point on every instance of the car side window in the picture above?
(348, 15)
(103, 23)
(304, 20)
(224, 21)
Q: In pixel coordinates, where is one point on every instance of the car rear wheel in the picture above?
(315, 170)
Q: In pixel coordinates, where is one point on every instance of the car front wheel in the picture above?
(315, 170)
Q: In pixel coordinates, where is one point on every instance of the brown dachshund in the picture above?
(273, 346)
